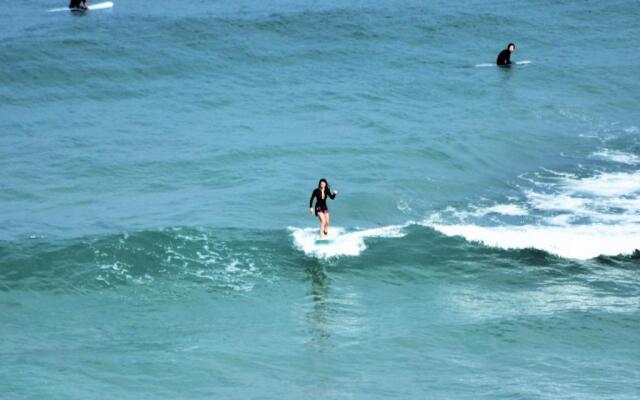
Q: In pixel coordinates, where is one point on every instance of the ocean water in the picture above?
(157, 159)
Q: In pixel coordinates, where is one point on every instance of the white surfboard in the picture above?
(484, 65)
(97, 6)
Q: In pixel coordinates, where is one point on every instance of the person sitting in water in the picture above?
(78, 5)
(321, 209)
(504, 58)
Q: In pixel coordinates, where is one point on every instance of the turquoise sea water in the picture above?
(157, 161)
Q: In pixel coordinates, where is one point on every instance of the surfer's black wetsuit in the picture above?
(504, 58)
(321, 204)
(82, 4)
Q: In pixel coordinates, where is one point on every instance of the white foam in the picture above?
(561, 220)
(594, 197)
(504, 209)
(624, 208)
(606, 184)
(578, 241)
(575, 217)
(341, 242)
(403, 207)
(556, 202)
(233, 266)
(617, 156)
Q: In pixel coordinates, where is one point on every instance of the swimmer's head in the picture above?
(511, 47)
(323, 183)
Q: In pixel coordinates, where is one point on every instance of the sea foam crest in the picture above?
(617, 156)
(580, 217)
(578, 241)
(340, 242)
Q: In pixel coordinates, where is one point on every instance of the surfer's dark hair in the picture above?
(326, 187)
(511, 44)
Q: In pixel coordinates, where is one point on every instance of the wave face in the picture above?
(156, 162)
(232, 260)
(176, 259)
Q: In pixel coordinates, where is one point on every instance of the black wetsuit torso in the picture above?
(504, 58)
(78, 4)
(321, 204)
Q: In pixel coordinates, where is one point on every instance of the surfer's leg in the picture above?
(321, 217)
(326, 222)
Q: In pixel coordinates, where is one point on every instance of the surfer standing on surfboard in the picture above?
(78, 5)
(321, 209)
(504, 58)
